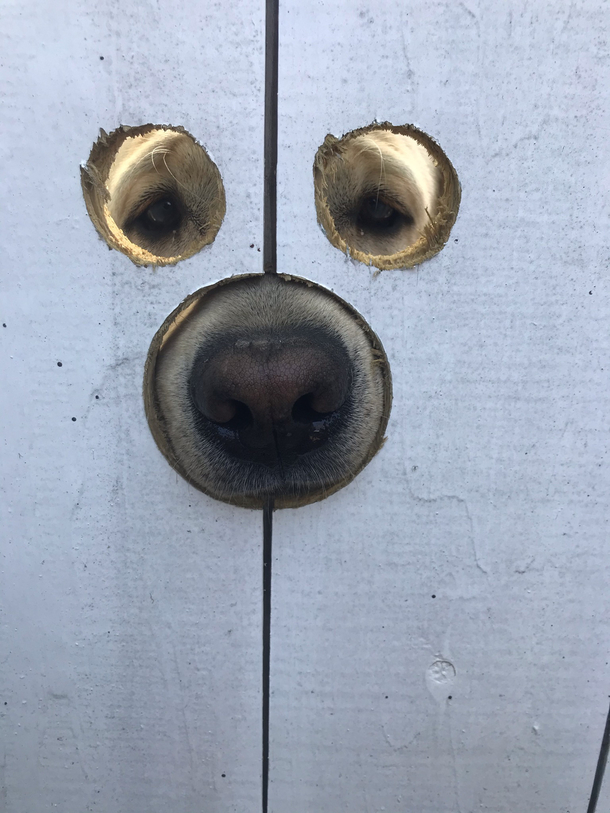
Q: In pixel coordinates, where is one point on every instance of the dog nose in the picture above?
(270, 400)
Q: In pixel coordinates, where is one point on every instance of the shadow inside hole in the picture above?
(153, 193)
(387, 195)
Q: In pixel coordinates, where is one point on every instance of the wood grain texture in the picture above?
(478, 535)
(130, 660)
(439, 627)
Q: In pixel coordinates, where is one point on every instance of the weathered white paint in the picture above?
(491, 492)
(130, 650)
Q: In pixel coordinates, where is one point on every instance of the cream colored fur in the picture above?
(165, 163)
(395, 168)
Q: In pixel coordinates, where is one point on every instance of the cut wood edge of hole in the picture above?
(118, 176)
(340, 174)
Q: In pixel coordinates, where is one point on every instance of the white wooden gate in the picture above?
(440, 639)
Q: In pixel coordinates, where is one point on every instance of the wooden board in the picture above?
(440, 627)
(131, 656)
(440, 638)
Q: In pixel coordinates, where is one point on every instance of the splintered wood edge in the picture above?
(436, 233)
(94, 174)
(157, 424)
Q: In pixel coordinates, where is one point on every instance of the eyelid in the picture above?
(150, 197)
(384, 196)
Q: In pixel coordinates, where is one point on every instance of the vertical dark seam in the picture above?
(270, 125)
(280, 462)
(601, 767)
(269, 267)
(267, 553)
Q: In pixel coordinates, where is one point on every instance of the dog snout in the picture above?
(273, 399)
(267, 387)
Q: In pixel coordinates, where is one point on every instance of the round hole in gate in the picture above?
(267, 386)
(153, 193)
(387, 195)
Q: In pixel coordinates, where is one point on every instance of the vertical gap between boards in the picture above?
(269, 267)
(601, 767)
(267, 559)
(270, 126)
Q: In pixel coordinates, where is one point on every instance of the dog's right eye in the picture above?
(162, 216)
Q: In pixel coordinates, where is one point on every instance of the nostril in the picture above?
(274, 399)
(318, 426)
(218, 406)
(304, 412)
(242, 418)
(234, 431)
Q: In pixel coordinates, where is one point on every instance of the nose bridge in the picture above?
(269, 375)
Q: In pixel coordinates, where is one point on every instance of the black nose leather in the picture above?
(271, 399)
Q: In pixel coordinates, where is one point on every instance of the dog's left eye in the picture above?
(387, 195)
(375, 214)
(163, 215)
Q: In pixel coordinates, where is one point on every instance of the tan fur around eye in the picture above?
(404, 169)
(132, 168)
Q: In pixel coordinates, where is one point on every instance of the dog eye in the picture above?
(386, 194)
(153, 193)
(374, 213)
(161, 216)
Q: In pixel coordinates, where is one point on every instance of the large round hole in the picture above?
(386, 195)
(267, 386)
(153, 193)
